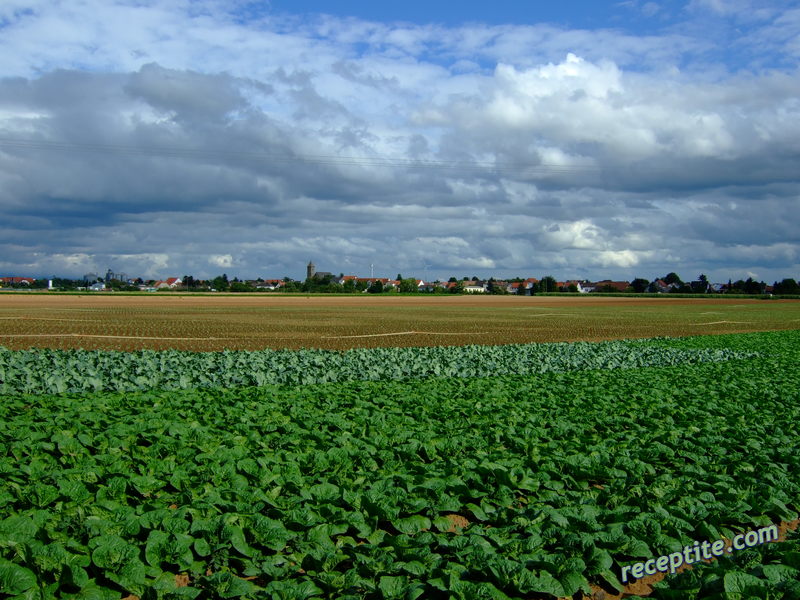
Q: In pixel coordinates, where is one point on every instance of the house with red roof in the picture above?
(579, 286)
(474, 287)
(16, 280)
(267, 284)
(527, 285)
(169, 283)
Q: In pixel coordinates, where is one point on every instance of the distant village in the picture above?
(327, 282)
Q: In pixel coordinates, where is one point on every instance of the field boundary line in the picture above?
(26, 318)
(720, 322)
(341, 337)
(116, 337)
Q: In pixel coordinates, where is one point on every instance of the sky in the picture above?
(584, 140)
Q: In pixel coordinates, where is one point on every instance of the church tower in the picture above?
(310, 270)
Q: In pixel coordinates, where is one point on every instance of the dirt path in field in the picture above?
(720, 322)
(111, 337)
(369, 335)
(69, 320)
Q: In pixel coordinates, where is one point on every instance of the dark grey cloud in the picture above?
(186, 96)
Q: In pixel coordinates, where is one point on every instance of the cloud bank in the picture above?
(171, 138)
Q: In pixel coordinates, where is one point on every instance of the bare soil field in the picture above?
(252, 322)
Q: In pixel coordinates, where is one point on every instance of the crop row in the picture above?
(43, 371)
(505, 487)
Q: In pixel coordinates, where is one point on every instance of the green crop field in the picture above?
(524, 471)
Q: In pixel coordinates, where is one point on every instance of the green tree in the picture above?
(220, 283)
(66, 284)
(752, 286)
(548, 284)
(290, 285)
(700, 286)
(786, 286)
(121, 286)
(683, 288)
(494, 288)
(241, 286)
(672, 278)
(408, 286)
(376, 287)
(639, 285)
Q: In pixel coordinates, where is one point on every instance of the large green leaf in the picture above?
(15, 579)
(739, 586)
(413, 524)
(393, 588)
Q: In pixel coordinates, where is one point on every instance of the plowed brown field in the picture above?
(209, 322)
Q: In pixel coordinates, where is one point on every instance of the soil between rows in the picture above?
(210, 322)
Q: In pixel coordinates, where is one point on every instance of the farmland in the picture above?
(521, 471)
(203, 322)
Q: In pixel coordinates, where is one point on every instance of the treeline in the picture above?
(701, 285)
(670, 283)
